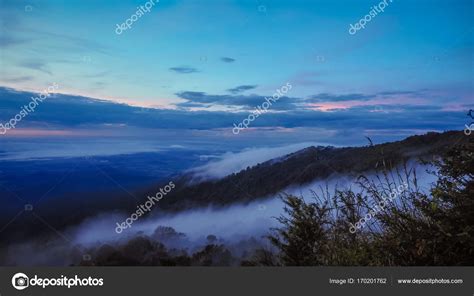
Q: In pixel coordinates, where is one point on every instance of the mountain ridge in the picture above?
(302, 167)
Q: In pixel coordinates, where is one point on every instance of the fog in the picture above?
(237, 221)
(232, 225)
(230, 162)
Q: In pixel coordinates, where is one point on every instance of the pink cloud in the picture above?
(395, 100)
(31, 133)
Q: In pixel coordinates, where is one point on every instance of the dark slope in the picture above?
(302, 167)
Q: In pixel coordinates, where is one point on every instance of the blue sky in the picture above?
(412, 63)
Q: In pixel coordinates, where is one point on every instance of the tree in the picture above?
(416, 228)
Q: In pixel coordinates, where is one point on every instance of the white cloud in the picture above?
(230, 162)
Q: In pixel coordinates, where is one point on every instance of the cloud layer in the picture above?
(74, 111)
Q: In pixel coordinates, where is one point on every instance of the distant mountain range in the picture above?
(302, 167)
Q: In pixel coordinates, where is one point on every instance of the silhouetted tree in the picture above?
(416, 228)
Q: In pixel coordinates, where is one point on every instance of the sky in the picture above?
(205, 64)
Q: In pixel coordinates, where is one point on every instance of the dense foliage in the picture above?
(416, 228)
